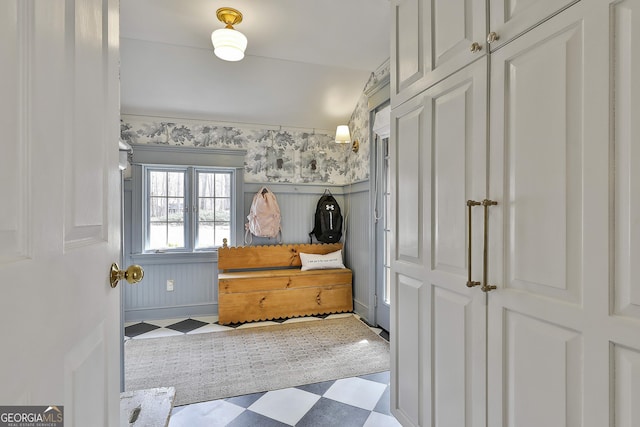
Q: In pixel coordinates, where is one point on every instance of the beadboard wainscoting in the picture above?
(194, 275)
(194, 292)
(359, 248)
(297, 204)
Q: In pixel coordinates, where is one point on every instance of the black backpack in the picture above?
(328, 220)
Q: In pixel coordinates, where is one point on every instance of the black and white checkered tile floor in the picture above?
(357, 401)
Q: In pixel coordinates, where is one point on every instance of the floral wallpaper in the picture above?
(272, 155)
(287, 156)
(358, 165)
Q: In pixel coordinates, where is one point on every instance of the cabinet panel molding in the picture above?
(537, 354)
(432, 39)
(408, 351)
(626, 98)
(626, 373)
(16, 19)
(409, 128)
(543, 83)
(511, 18)
(454, 343)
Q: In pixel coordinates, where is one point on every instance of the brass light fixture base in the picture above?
(355, 146)
(229, 16)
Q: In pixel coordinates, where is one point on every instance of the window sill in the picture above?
(175, 257)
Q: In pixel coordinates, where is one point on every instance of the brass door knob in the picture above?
(475, 47)
(133, 274)
(493, 36)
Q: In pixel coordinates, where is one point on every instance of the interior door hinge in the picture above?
(375, 300)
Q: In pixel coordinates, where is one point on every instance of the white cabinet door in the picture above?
(510, 18)
(549, 246)
(408, 290)
(59, 215)
(432, 39)
(438, 323)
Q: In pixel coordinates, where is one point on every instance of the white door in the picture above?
(438, 322)
(59, 216)
(536, 170)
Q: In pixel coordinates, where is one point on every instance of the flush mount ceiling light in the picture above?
(228, 43)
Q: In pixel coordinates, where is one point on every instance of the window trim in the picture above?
(191, 197)
(163, 156)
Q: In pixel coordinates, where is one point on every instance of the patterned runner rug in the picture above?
(217, 365)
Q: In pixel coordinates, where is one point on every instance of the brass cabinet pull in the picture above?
(492, 36)
(476, 47)
(485, 286)
(470, 283)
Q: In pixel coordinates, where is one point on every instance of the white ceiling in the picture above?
(306, 63)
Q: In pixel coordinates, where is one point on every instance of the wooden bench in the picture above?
(266, 282)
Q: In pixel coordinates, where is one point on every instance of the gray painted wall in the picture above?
(297, 208)
(358, 248)
(195, 275)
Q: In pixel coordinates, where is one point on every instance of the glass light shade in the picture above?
(229, 44)
(342, 134)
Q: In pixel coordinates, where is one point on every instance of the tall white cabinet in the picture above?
(515, 169)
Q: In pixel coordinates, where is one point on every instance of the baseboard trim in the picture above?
(156, 313)
(361, 310)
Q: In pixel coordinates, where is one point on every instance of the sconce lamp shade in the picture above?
(342, 134)
(229, 44)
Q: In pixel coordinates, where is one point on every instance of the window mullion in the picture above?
(196, 204)
(187, 210)
(195, 207)
(166, 208)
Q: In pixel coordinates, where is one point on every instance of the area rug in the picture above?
(223, 364)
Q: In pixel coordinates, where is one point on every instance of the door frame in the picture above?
(378, 220)
(379, 96)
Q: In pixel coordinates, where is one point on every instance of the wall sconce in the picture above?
(344, 137)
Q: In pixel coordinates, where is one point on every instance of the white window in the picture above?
(187, 208)
(214, 208)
